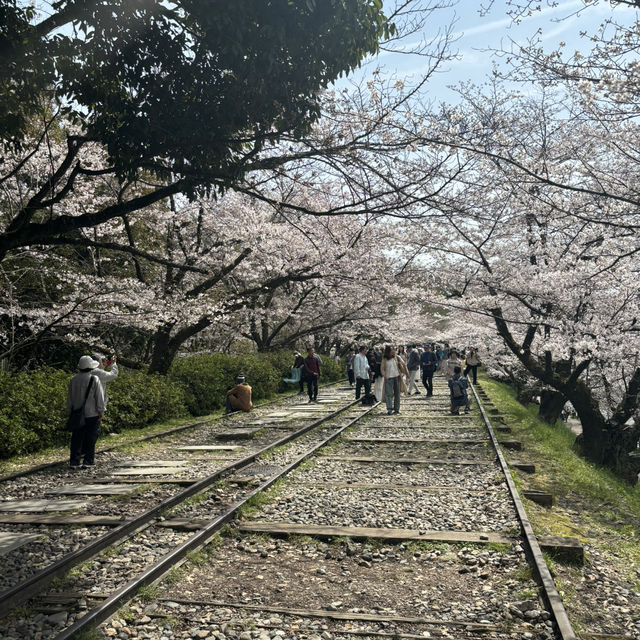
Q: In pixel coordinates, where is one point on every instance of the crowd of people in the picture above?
(374, 372)
(394, 371)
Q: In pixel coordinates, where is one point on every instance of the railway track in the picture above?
(63, 462)
(58, 518)
(356, 525)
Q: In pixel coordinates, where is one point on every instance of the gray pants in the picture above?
(392, 394)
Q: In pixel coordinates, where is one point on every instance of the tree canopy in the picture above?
(187, 88)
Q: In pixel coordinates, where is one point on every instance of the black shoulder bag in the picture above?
(76, 419)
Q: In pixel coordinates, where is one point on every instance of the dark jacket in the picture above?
(413, 361)
(429, 361)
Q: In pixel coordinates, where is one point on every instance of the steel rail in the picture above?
(153, 436)
(21, 592)
(153, 573)
(551, 595)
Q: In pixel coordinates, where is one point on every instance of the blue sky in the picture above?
(475, 33)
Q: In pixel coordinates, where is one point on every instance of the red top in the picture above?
(312, 366)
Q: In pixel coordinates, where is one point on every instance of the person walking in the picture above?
(312, 373)
(472, 364)
(239, 397)
(392, 367)
(361, 370)
(85, 390)
(413, 365)
(298, 363)
(378, 380)
(349, 364)
(429, 362)
(440, 356)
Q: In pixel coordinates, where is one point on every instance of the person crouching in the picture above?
(458, 391)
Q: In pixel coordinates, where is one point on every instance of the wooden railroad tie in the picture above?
(360, 533)
(563, 549)
(515, 445)
(376, 460)
(539, 497)
(419, 440)
(527, 467)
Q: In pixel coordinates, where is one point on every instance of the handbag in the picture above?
(76, 419)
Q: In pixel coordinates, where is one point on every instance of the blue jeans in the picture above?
(392, 394)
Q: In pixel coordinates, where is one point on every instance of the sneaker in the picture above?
(389, 413)
(467, 410)
(395, 413)
(75, 467)
(88, 465)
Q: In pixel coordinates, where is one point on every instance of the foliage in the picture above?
(137, 400)
(32, 410)
(139, 74)
(207, 378)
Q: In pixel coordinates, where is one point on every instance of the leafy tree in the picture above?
(190, 93)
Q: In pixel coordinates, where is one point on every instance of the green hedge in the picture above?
(32, 411)
(137, 399)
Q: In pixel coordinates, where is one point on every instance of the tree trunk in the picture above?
(164, 351)
(551, 404)
(166, 346)
(606, 442)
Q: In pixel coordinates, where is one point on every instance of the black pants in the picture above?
(83, 442)
(312, 387)
(351, 376)
(363, 382)
(301, 381)
(474, 369)
(427, 381)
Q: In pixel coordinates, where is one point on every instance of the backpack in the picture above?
(457, 388)
(369, 400)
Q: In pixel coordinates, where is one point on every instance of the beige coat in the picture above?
(240, 397)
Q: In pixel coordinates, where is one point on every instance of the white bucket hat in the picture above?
(87, 362)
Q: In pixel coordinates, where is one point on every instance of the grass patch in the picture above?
(148, 593)
(90, 634)
(256, 502)
(559, 469)
(590, 504)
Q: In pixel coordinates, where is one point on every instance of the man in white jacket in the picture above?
(361, 371)
(85, 388)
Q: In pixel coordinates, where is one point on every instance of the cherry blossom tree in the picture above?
(552, 263)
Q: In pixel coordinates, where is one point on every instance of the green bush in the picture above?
(207, 378)
(32, 410)
(138, 399)
(332, 370)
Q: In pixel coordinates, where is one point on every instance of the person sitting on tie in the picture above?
(239, 397)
